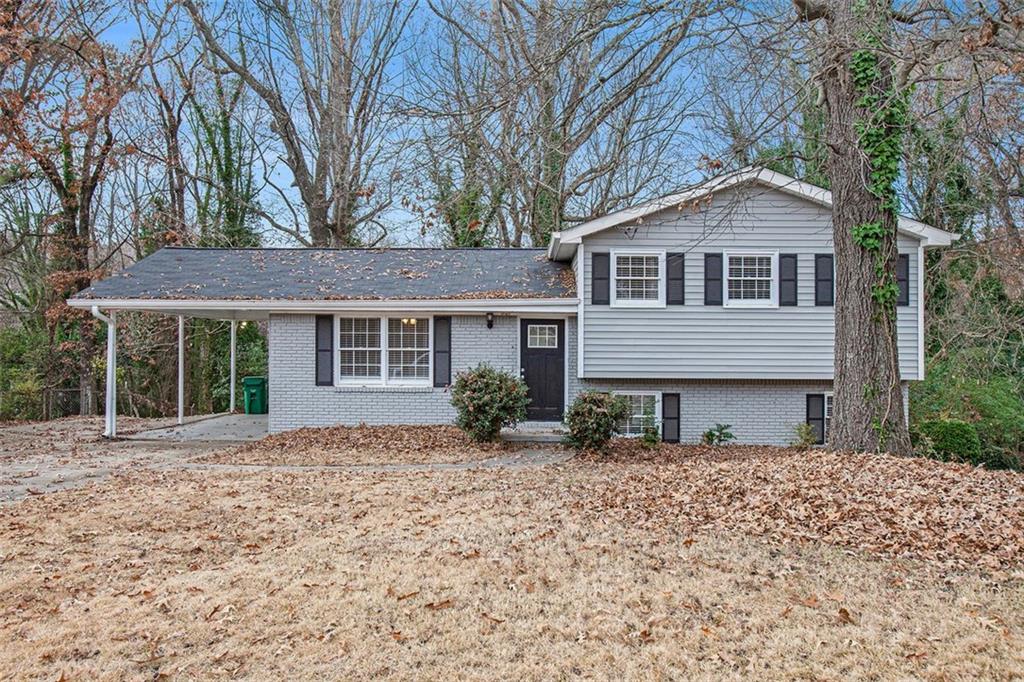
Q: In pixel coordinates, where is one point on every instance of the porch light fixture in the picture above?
(490, 320)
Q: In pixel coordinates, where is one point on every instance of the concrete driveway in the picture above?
(233, 428)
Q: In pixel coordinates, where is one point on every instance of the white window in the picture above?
(383, 350)
(750, 279)
(643, 413)
(828, 415)
(359, 345)
(408, 348)
(542, 336)
(639, 279)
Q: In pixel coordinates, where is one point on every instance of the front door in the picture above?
(542, 365)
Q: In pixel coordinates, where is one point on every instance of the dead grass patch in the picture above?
(954, 514)
(357, 445)
(470, 574)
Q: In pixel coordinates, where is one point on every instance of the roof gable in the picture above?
(563, 244)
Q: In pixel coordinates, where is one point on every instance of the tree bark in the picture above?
(868, 398)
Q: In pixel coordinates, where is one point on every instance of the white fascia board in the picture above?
(520, 305)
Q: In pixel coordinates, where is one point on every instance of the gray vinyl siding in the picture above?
(694, 341)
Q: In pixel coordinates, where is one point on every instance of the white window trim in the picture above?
(382, 379)
(657, 409)
(613, 279)
(773, 302)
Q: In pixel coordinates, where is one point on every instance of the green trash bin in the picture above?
(254, 392)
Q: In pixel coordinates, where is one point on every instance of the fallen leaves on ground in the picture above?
(354, 445)
(333, 575)
(955, 514)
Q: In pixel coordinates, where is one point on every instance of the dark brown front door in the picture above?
(542, 362)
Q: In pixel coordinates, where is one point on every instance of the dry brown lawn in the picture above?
(363, 445)
(556, 573)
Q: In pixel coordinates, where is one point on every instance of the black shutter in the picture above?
(670, 417)
(600, 269)
(816, 415)
(712, 279)
(442, 351)
(324, 350)
(903, 278)
(824, 277)
(787, 279)
(675, 264)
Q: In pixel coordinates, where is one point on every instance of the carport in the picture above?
(107, 313)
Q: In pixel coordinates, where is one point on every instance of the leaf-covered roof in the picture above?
(184, 273)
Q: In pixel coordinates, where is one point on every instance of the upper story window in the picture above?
(750, 279)
(384, 350)
(639, 279)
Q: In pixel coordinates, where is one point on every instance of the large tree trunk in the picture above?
(868, 404)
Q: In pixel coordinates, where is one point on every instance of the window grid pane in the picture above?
(637, 278)
(542, 336)
(642, 408)
(750, 278)
(408, 348)
(359, 347)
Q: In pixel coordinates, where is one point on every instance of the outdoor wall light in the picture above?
(490, 320)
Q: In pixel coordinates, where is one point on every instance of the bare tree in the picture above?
(324, 70)
(577, 106)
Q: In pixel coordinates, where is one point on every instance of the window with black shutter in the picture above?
(903, 279)
(712, 279)
(442, 351)
(674, 280)
(787, 279)
(600, 270)
(816, 415)
(824, 279)
(670, 417)
(324, 350)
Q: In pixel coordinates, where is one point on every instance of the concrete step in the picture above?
(540, 432)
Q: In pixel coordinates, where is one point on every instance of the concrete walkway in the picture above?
(230, 428)
(533, 457)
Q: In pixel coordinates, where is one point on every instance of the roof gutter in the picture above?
(513, 305)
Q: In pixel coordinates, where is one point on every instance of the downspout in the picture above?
(110, 403)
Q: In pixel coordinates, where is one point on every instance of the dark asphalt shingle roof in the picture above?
(338, 274)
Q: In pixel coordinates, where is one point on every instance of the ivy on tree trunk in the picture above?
(864, 125)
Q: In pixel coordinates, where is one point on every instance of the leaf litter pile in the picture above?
(953, 514)
(359, 445)
(633, 566)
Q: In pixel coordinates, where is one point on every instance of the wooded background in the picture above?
(127, 126)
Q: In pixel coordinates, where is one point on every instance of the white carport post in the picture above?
(110, 404)
(234, 337)
(181, 369)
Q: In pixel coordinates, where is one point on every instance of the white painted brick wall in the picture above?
(296, 400)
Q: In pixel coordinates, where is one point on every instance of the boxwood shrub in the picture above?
(953, 440)
(487, 400)
(593, 418)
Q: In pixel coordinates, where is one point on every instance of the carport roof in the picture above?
(301, 274)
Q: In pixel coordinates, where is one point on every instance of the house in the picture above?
(710, 306)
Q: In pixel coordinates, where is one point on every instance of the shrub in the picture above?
(651, 437)
(719, 435)
(593, 418)
(804, 436)
(487, 400)
(953, 440)
(954, 389)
